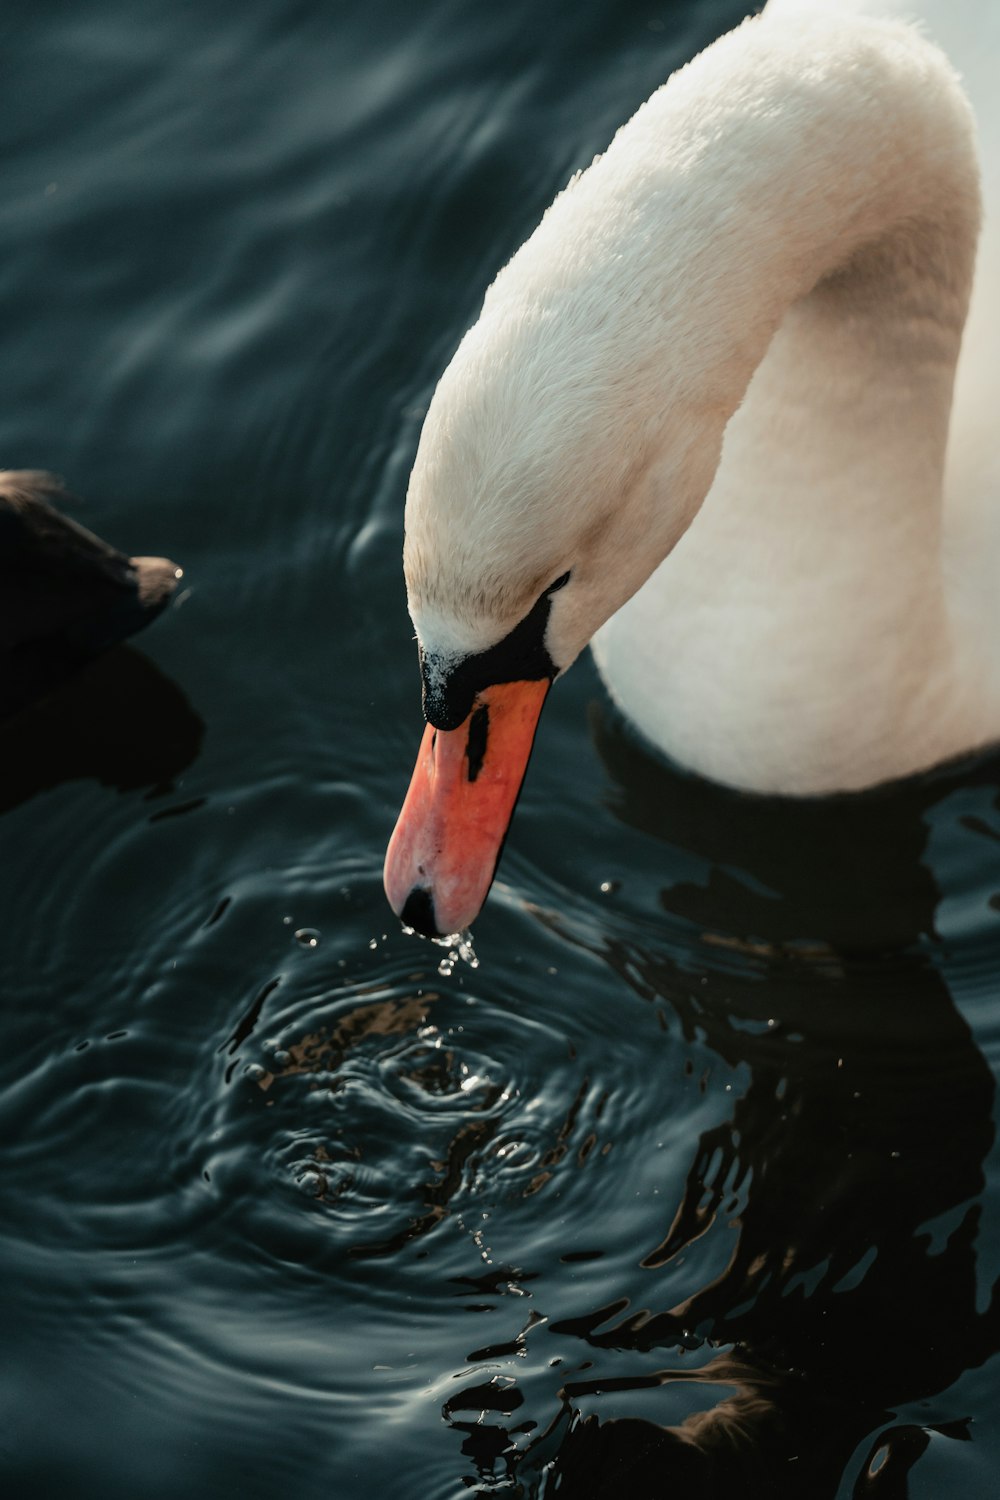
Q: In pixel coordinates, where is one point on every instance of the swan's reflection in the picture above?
(867, 1116)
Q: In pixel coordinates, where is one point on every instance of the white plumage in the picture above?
(716, 385)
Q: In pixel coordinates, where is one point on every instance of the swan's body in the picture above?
(726, 359)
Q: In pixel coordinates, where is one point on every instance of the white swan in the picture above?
(706, 407)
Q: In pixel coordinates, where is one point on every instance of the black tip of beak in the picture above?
(418, 912)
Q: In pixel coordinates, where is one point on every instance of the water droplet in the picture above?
(459, 945)
(466, 952)
(307, 936)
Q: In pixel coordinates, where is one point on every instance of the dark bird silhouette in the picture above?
(66, 596)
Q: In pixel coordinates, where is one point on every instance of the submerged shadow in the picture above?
(846, 1173)
(118, 720)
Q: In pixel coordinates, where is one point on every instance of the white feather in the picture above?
(725, 359)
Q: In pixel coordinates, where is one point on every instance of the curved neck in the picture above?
(790, 224)
(836, 291)
(837, 200)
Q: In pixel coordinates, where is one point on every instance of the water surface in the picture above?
(690, 1184)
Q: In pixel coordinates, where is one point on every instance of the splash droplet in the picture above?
(459, 945)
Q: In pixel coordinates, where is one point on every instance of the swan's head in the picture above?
(547, 486)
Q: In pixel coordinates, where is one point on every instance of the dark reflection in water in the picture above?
(120, 721)
(867, 1116)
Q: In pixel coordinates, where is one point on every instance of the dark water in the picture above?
(692, 1186)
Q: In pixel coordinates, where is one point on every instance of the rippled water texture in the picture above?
(691, 1187)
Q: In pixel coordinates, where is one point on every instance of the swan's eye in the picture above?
(451, 684)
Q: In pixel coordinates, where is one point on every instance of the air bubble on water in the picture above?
(282, 1058)
(307, 936)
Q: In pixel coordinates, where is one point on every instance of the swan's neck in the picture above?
(799, 634)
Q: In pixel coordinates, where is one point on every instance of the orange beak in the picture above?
(444, 851)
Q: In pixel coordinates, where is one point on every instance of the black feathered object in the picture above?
(65, 595)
